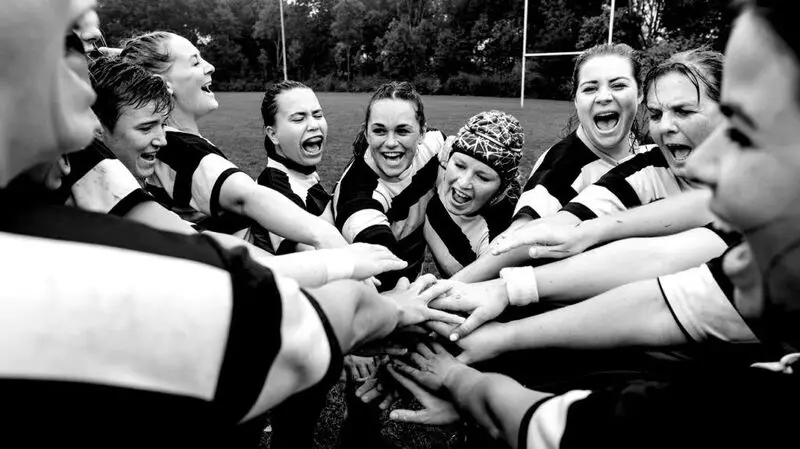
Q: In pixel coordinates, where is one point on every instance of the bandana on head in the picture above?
(496, 139)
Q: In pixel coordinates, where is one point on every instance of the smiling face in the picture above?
(136, 139)
(300, 127)
(393, 134)
(190, 78)
(606, 100)
(679, 123)
(468, 185)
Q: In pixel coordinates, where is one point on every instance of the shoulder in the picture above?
(180, 141)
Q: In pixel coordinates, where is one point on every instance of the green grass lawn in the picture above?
(237, 129)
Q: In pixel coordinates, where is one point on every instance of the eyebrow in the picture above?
(732, 110)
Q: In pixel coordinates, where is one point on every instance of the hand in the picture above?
(433, 365)
(413, 299)
(484, 301)
(485, 343)
(369, 260)
(379, 387)
(546, 240)
(359, 368)
(435, 410)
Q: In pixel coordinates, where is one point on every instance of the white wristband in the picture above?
(520, 285)
(339, 263)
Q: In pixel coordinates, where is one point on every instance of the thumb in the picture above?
(464, 358)
(474, 321)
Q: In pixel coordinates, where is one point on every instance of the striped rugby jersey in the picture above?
(137, 337)
(188, 178)
(368, 208)
(99, 182)
(701, 299)
(456, 241)
(639, 180)
(298, 183)
(559, 174)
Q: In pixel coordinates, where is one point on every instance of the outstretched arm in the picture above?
(275, 212)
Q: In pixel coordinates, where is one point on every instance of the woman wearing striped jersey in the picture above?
(647, 272)
(295, 135)
(192, 175)
(382, 195)
(116, 325)
(476, 190)
(752, 165)
(682, 96)
(606, 91)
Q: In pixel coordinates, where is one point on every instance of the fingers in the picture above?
(443, 329)
(407, 383)
(410, 416)
(402, 284)
(504, 243)
(365, 387)
(547, 252)
(451, 303)
(444, 317)
(434, 290)
(388, 400)
(424, 350)
(424, 282)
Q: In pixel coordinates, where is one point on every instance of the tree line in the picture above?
(458, 47)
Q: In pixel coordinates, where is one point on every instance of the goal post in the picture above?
(525, 53)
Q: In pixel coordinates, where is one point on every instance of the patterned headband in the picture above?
(494, 138)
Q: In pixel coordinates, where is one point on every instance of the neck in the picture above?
(617, 153)
(183, 121)
(273, 154)
(769, 241)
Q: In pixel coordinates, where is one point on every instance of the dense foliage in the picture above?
(461, 47)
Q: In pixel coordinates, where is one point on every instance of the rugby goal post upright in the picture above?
(525, 53)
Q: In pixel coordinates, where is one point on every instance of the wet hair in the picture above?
(702, 67)
(622, 50)
(394, 91)
(149, 51)
(269, 105)
(119, 85)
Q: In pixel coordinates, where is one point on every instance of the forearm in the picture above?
(669, 216)
(274, 212)
(495, 401)
(358, 314)
(634, 260)
(152, 214)
(634, 314)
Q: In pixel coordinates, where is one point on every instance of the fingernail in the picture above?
(453, 337)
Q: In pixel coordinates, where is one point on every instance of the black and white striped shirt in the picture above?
(301, 185)
(368, 208)
(457, 241)
(559, 174)
(640, 180)
(136, 337)
(188, 178)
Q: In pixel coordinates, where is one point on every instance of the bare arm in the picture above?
(156, 216)
(276, 213)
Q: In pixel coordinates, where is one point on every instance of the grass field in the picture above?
(237, 129)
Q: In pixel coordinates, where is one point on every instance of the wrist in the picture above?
(457, 377)
(521, 286)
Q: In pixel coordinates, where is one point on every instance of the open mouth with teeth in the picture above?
(460, 198)
(150, 156)
(679, 152)
(606, 121)
(207, 88)
(313, 145)
(393, 158)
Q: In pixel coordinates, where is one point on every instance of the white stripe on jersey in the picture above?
(701, 307)
(103, 187)
(361, 220)
(204, 179)
(546, 427)
(95, 314)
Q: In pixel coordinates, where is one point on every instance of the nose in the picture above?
(209, 68)
(464, 181)
(160, 139)
(667, 124)
(391, 140)
(704, 162)
(603, 94)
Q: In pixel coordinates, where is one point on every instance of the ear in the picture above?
(168, 83)
(270, 132)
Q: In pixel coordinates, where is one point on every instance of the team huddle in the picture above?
(638, 289)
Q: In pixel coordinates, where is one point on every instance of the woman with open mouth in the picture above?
(476, 190)
(606, 91)
(192, 176)
(295, 133)
(382, 195)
